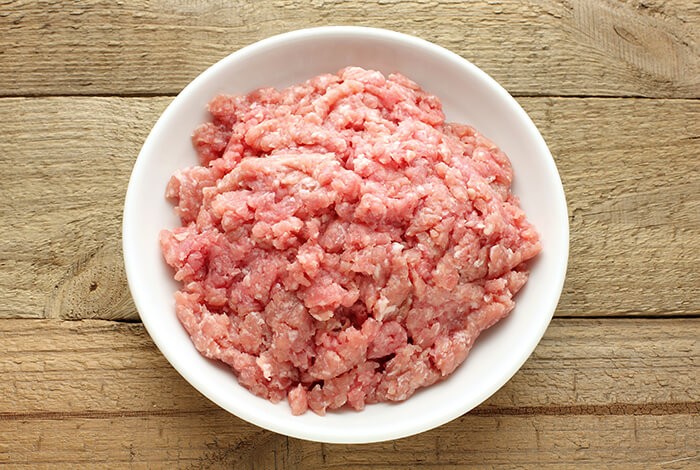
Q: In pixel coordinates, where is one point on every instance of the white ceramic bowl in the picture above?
(469, 96)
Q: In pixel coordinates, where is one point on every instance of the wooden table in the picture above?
(614, 88)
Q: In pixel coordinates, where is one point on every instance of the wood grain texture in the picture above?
(581, 366)
(630, 172)
(629, 168)
(66, 164)
(617, 392)
(216, 440)
(570, 47)
(597, 392)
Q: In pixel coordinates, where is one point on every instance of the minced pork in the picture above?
(341, 244)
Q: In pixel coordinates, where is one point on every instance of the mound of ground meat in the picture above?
(340, 243)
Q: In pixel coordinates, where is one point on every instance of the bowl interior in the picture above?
(468, 96)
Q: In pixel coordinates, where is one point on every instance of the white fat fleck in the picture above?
(322, 316)
(257, 317)
(397, 247)
(382, 304)
(308, 183)
(488, 230)
(488, 298)
(360, 163)
(180, 236)
(478, 263)
(383, 309)
(266, 368)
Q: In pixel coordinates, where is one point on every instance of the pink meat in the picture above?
(340, 243)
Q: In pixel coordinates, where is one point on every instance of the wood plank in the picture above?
(216, 440)
(630, 172)
(633, 203)
(63, 195)
(97, 394)
(95, 368)
(577, 47)
(115, 442)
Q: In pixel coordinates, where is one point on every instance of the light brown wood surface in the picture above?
(572, 47)
(613, 86)
(627, 166)
(628, 400)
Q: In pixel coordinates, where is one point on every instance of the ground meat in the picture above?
(340, 243)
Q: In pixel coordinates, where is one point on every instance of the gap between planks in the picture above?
(617, 316)
(613, 409)
(513, 94)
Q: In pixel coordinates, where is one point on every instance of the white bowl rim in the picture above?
(287, 427)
